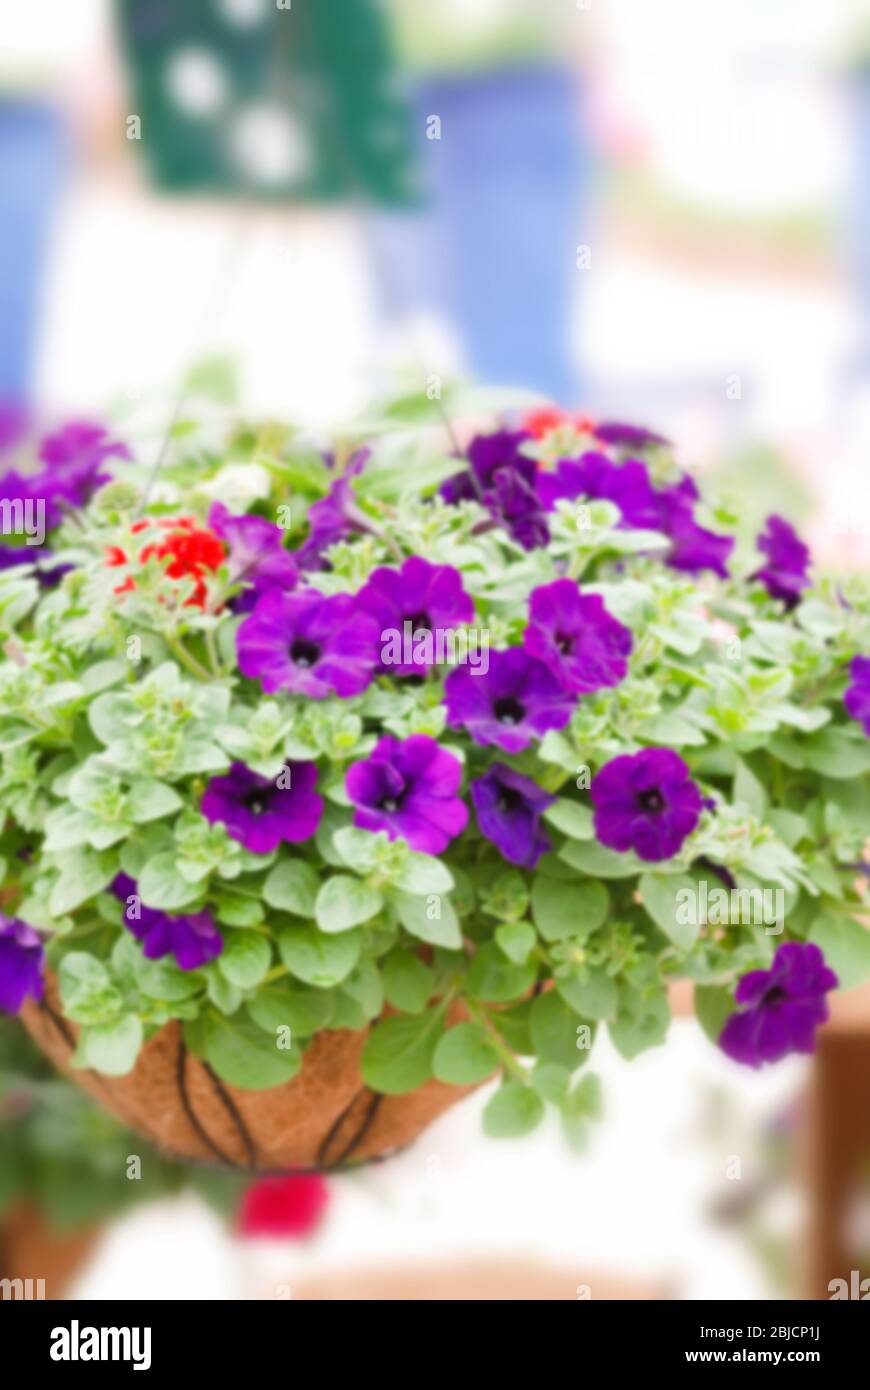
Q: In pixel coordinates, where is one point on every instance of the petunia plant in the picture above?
(474, 748)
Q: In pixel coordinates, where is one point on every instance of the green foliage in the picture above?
(117, 708)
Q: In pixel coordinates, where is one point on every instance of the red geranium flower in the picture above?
(285, 1206)
(541, 422)
(191, 549)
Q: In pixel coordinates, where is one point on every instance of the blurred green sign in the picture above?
(283, 99)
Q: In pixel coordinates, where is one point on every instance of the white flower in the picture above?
(238, 484)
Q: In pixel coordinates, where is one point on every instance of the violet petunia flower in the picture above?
(780, 1007)
(646, 802)
(335, 517)
(22, 959)
(75, 458)
(503, 480)
(624, 436)
(261, 813)
(785, 573)
(430, 598)
(193, 939)
(576, 638)
(628, 485)
(693, 547)
(488, 455)
(257, 557)
(857, 696)
(509, 808)
(308, 644)
(597, 477)
(14, 421)
(512, 501)
(46, 574)
(409, 788)
(516, 700)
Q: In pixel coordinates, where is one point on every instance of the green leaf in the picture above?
(554, 1032)
(108, 716)
(292, 886)
(399, 1050)
(642, 1021)
(672, 902)
(838, 753)
(496, 980)
(82, 873)
(423, 874)
(514, 1026)
(359, 849)
(514, 1110)
(748, 791)
(364, 985)
(430, 919)
(408, 982)
(245, 958)
(465, 1055)
(224, 996)
(245, 1056)
(110, 1048)
(285, 1004)
(572, 818)
(845, 944)
(585, 1099)
(516, 940)
(158, 979)
(344, 902)
(237, 909)
(598, 862)
(713, 1004)
(568, 909)
(590, 993)
(161, 885)
(790, 827)
(582, 1105)
(86, 989)
(150, 800)
(551, 1082)
(317, 959)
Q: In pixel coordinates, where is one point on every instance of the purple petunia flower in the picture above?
(46, 574)
(628, 486)
(513, 503)
(430, 598)
(335, 517)
(193, 939)
(75, 457)
(509, 809)
(597, 477)
(257, 556)
(308, 644)
(261, 813)
(14, 421)
(693, 547)
(645, 801)
(576, 637)
(780, 1007)
(503, 480)
(516, 700)
(785, 574)
(488, 454)
(409, 787)
(857, 696)
(628, 436)
(21, 963)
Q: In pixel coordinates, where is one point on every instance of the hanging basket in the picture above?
(325, 1118)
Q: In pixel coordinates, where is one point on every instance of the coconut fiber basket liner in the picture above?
(325, 1118)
